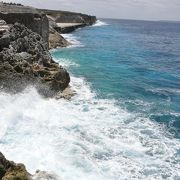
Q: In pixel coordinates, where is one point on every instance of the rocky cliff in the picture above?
(69, 17)
(75, 20)
(45, 22)
(25, 60)
(30, 17)
(56, 40)
(25, 34)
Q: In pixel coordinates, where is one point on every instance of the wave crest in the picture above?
(100, 23)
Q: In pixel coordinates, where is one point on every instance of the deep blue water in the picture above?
(136, 63)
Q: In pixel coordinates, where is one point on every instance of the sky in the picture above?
(119, 9)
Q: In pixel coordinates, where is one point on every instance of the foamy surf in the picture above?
(85, 138)
(100, 23)
(73, 40)
(66, 63)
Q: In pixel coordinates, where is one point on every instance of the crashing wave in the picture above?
(100, 23)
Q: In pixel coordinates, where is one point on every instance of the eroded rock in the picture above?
(12, 171)
(56, 40)
(28, 61)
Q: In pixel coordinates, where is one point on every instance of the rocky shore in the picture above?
(56, 40)
(47, 23)
(10, 170)
(25, 60)
(71, 19)
(26, 35)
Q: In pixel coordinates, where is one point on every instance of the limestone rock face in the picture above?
(56, 40)
(30, 17)
(4, 41)
(26, 60)
(41, 21)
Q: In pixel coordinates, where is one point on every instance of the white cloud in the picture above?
(131, 9)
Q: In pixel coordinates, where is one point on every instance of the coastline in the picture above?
(21, 64)
(38, 67)
(92, 136)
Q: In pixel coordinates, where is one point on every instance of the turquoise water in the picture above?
(124, 121)
(136, 63)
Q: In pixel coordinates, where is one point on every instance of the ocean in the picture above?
(124, 122)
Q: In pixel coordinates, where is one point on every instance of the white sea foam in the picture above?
(100, 23)
(73, 40)
(86, 138)
(67, 63)
(165, 90)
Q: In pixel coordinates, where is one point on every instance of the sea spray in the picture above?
(100, 23)
(85, 138)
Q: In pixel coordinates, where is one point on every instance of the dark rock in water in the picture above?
(12, 171)
(28, 61)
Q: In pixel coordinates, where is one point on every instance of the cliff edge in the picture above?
(26, 34)
(47, 23)
(66, 22)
